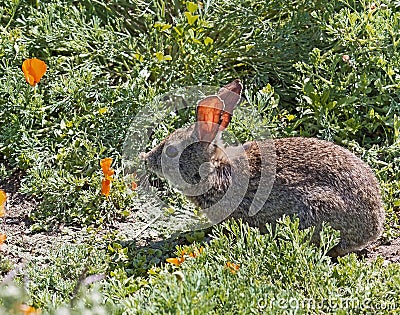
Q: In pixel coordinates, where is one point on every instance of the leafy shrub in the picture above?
(108, 59)
(310, 68)
(278, 271)
(349, 88)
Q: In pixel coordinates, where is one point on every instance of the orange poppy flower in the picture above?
(3, 238)
(178, 260)
(105, 186)
(3, 199)
(175, 261)
(33, 70)
(233, 268)
(134, 186)
(196, 252)
(29, 310)
(105, 165)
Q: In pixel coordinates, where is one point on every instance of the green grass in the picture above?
(107, 60)
(278, 271)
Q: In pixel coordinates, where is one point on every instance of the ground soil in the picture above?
(22, 244)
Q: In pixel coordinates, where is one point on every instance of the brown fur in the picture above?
(312, 179)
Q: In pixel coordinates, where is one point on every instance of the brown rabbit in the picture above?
(260, 181)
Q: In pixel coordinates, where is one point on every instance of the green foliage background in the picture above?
(108, 59)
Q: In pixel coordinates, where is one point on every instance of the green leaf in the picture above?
(179, 30)
(308, 88)
(325, 96)
(268, 89)
(159, 55)
(103, 110)
(191, 6)
(191, 32)
(162, 26)
(347, 100)
(371, 113)
(208, 41)
(138, 57)
(290, 117)
(166, 27)
(191, 18)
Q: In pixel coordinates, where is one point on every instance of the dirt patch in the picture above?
(390, 251)
(21, 245)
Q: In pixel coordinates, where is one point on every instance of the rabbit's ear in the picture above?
(230, 94)
(209, 112)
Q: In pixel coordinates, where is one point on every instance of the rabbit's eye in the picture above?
(171, 151)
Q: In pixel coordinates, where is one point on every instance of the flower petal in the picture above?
(105, 165)
(175, 261)
(29, 310)
(105, 187)
(39, 68)
(233, 268)
(3, 199)
(3, 238)
(29, 79)
(109, 173)
(196, 252)
(33, 70)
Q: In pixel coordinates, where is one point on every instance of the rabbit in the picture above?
(312, 179)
